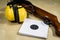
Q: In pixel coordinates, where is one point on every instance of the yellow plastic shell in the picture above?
(9, 13)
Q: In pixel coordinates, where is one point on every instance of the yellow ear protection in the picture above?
(15, 13)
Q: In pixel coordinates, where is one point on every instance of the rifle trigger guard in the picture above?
(47, 21)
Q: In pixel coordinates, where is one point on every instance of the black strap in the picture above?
(16, 14)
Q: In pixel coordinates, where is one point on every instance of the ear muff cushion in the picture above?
(22, 14)
(9, 13)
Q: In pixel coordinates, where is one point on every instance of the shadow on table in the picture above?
(54, 31)
(2, 18)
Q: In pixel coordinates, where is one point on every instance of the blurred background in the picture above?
(9, 31)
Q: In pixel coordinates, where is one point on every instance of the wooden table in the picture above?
(9, 31)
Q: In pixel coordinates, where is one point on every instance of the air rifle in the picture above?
(47, 17)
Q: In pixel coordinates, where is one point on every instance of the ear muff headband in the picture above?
(16, 14)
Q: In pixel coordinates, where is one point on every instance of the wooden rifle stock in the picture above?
(49, 18)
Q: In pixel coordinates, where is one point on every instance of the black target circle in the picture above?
(34, 27)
